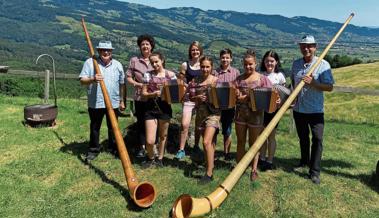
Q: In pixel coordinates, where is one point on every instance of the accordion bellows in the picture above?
(266, 98)
(173, 91)
(222, 95)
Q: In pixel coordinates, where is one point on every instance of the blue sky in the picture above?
(366, 11)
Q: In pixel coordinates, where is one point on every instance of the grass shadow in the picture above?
(79, 149)
(372, 181)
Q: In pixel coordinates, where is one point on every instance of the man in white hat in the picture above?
(112, 74)
(308, 111)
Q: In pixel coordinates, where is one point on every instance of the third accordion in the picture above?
(266, 98)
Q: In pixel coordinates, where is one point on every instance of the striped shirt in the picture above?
(113, 74)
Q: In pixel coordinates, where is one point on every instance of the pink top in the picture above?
(244, 87)
(137, 68)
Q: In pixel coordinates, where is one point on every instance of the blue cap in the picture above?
(307, 39)
(107, 45)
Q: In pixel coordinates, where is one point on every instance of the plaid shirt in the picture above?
(229, 75)
(137, 69)
(310, 100)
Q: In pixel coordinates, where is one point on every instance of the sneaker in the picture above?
(91, 156)
(159, 163)
(205, 179)
(315, 179)
(148, 163)
(253, 176)
(180, 155)
(228, 156)
(141, 153)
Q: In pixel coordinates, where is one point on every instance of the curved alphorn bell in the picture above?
(187, 206)
(144, 193)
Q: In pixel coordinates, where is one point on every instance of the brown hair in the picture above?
(206, 58)
(160, 56)
(250, 53)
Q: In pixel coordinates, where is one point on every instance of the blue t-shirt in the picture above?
(113, 75)
(311, 100)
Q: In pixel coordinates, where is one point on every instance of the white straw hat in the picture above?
(107, 45)
(307, 39)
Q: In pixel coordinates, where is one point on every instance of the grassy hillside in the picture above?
(360, 76)
(43, 173)
(54, 27)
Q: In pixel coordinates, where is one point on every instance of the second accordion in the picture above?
(173, 91)
(222, 95)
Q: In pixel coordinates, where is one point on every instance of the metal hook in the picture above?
(52, 59)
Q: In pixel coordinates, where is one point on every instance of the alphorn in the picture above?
(144, 193)
(187, 206)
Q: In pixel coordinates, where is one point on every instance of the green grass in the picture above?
(43, 173)
(360, 76)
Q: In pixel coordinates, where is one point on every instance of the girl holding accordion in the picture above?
(270, 67)
(157, 112)
(247, 120)
(207, 117)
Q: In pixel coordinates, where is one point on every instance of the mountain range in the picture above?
(29, 28)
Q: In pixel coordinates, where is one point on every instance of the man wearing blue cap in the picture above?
(112, 74)
(308, 111)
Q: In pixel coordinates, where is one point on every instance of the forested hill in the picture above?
(29, 28)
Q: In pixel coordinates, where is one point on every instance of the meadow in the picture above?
(43, 172)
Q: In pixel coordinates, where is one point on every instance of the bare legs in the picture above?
(209, 148)
(151, 129)
(241, 131)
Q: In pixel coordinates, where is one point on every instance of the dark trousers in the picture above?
(96, 116)
(140, 115)
(314, 123)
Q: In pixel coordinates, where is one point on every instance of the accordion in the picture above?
(222, 95)
(263, 99)
(266, 98)
(173, 91)
(283, 92)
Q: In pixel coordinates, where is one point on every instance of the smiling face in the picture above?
(225, 61)
(206, 67)
(195, 52)
(270, 64)
(308, 51)
(249, 64)
(145, 48)
(105, 55)
(156, 62)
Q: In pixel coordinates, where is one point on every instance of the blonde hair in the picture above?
(197, 44)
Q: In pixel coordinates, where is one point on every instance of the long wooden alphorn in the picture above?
(187, 206)
(144, 193)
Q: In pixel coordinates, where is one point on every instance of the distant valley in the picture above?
(29, 28)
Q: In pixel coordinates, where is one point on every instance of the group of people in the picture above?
(147, 74)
